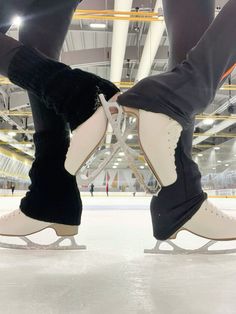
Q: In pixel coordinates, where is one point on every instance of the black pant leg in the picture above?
(191, 86)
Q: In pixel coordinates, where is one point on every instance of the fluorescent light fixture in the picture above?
(217, 148)
(12, 134)
(214, 168)
(130, 136)
(98, 25)
(200, 155)
(116, 163)
(219, 161)
(208, 121)
(119, 159)
(107, 153)
(17, 21)
(226, 165)
(141, 167)
(121, 154)
(114, 167)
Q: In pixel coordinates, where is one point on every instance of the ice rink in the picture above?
(114, 276)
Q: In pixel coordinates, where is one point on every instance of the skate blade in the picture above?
(57, 245)
(177, 250)
(189, 244)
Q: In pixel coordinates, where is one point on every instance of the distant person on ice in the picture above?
(107, 189)
(12, 189)
(91, 189)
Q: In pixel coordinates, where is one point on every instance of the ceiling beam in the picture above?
(99, 55)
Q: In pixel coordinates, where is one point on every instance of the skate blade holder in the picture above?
(25, 243)
(122, 126)
(183, 246)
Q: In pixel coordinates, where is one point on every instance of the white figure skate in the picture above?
(158, 137)
(17, 224)
(209, 223)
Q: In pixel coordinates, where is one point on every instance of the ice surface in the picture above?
(114, 276)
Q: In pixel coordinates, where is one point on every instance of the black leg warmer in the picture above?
(53, 194)
(72, 93)
(178, 202)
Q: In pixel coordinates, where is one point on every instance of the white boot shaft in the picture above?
(159, 135)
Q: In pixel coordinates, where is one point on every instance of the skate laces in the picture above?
(218, 212)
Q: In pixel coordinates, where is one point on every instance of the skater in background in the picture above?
(107, 189)
(53, 195)
(91, 189)
(12, 189)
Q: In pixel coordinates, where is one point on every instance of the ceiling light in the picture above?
(200, 155)
(12, 134)
(107, 153)
(226, 165)
(116, 163)
(98, 25)
(130, 136)
(141, 167)
(121, 154)
(28, 145)
(114, 167)
(17, 21)
(208, 121)
(219, 161)
(119, 159)
(217, 148)
(214, 168)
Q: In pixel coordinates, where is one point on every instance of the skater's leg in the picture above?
(186, 27)
(10, 9)
(169, 213)
(71, 93)
(49, 199)
(53, 194)
(51, 129)
(45, 27)
(191, 86)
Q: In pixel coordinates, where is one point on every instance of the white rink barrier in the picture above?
(223, 192)
(115, 194)
(7, 192)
